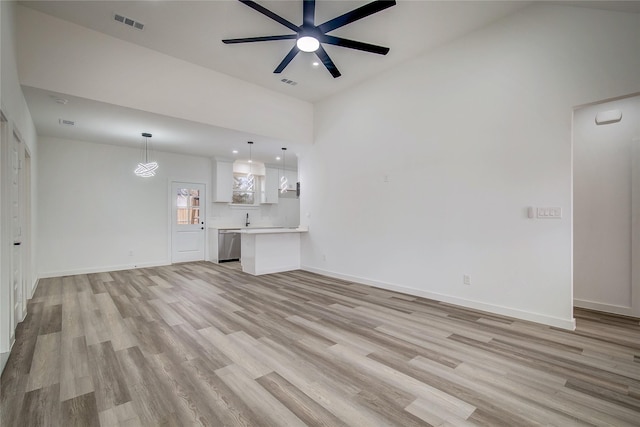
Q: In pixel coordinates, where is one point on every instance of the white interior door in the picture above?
(188, 221)
(6, 293)
(16, 184)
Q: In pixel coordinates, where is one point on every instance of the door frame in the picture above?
(203, 212)
(635, 226)
(27, 254)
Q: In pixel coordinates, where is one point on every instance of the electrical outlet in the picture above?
(324, 257)
(131, 252)
(466, 279)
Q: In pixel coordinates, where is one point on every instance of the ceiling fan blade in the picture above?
(255, 6)
(292, 54)
(354, 15)
(308, 12)
(352, 44)
(260, 39)
(324, 57)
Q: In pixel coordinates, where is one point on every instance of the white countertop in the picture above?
(237, 227)
(258, 230)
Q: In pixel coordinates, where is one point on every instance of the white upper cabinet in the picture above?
(222, 175)
(271, 186)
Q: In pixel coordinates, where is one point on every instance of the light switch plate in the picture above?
(547, 213)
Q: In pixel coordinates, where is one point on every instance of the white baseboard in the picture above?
(276, 270)
(569, 324)
(607, 308)
(3, 360)
(92, 270)
(34, 286)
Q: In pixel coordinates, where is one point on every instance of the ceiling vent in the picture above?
(58, 100)
(289, 82)
(66, 122)
(128, 21)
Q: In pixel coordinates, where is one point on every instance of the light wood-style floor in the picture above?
(199, 343)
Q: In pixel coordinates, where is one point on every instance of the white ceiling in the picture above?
(193, 30)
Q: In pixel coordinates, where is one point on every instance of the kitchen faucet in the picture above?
(247, 223)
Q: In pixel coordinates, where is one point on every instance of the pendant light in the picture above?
(283, 179)
(250, 176)
(146, 168)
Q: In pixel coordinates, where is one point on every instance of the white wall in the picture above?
(602, 201)
(93, 210)
(468, 136)
(63, 57)
(14, 107)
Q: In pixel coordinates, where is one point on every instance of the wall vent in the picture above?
(289, 82)
(128, 21)
(66, 122)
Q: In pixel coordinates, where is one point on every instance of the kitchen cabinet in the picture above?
(270, 251)
(222, 175)
(271, 186)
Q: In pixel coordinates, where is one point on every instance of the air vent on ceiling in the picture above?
(66, 122)
(58, 100)
(128, 21)
(289, 82)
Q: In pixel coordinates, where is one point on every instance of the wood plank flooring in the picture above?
(205, 344)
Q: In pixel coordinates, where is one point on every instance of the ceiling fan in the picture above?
(309, 36)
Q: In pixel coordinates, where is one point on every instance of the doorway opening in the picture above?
(606, 206)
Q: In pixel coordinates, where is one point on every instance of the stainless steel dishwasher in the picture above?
(228, 245)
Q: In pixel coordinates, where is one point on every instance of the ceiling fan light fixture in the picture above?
(308, 35)
(308, 44)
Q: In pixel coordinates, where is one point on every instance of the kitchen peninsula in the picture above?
(270, 250)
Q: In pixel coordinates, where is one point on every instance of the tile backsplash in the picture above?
(286, 213)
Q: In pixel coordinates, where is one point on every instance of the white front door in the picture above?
(188, 204)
